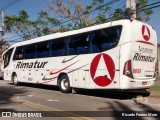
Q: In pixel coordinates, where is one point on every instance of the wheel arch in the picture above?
(60, 75)
(13, 73)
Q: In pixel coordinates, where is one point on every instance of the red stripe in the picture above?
(145, 42)
(51, 73)
(55, 73)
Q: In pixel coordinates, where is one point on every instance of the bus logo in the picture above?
(146, 35)
(102, 70)
(145, 32)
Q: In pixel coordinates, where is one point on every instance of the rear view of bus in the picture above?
(141, 68)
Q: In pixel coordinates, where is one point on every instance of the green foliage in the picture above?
(19, 24)
(28, 29)
(142, 14)
(118, 14)
(100, 18)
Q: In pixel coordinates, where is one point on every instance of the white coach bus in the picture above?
(116, 55)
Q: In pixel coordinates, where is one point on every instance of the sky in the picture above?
(35, 6)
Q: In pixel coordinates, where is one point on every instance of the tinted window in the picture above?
(42, 50)
(79, 44)
(7, 57)
(19, 53)
(58, 47)
(105, 39)
(84, 43)
(29, 51)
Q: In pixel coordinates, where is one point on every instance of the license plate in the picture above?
(144, 83)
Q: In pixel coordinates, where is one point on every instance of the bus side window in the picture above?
(42, 50)
(71, 47)
(58, 47)
(105, 39)
(18, 54)
(30, 51)
(79, 44)
(93, 47)
(83, 44)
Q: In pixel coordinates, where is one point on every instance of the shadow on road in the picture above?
(8, 92)
(121, 95)
(40, 86)
(96, 93)
(138, 113)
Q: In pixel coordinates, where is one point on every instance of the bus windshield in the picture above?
(7, 57)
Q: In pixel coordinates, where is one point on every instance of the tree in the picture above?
(28, 29)
(78, 14)
(141, 13)
(19, 24)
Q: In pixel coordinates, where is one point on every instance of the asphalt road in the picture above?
(49, 103)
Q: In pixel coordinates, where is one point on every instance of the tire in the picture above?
(64, 84)
(15, 80)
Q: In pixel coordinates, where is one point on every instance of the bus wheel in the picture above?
(64, 84)
(15, 80)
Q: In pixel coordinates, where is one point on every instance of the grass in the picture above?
(155, 88)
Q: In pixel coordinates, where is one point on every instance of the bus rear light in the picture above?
(128, 69)
(131, 20)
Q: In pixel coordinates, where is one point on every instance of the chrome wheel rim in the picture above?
(15, 79)
(64, 84)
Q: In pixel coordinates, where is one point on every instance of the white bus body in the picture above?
(116, 55)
